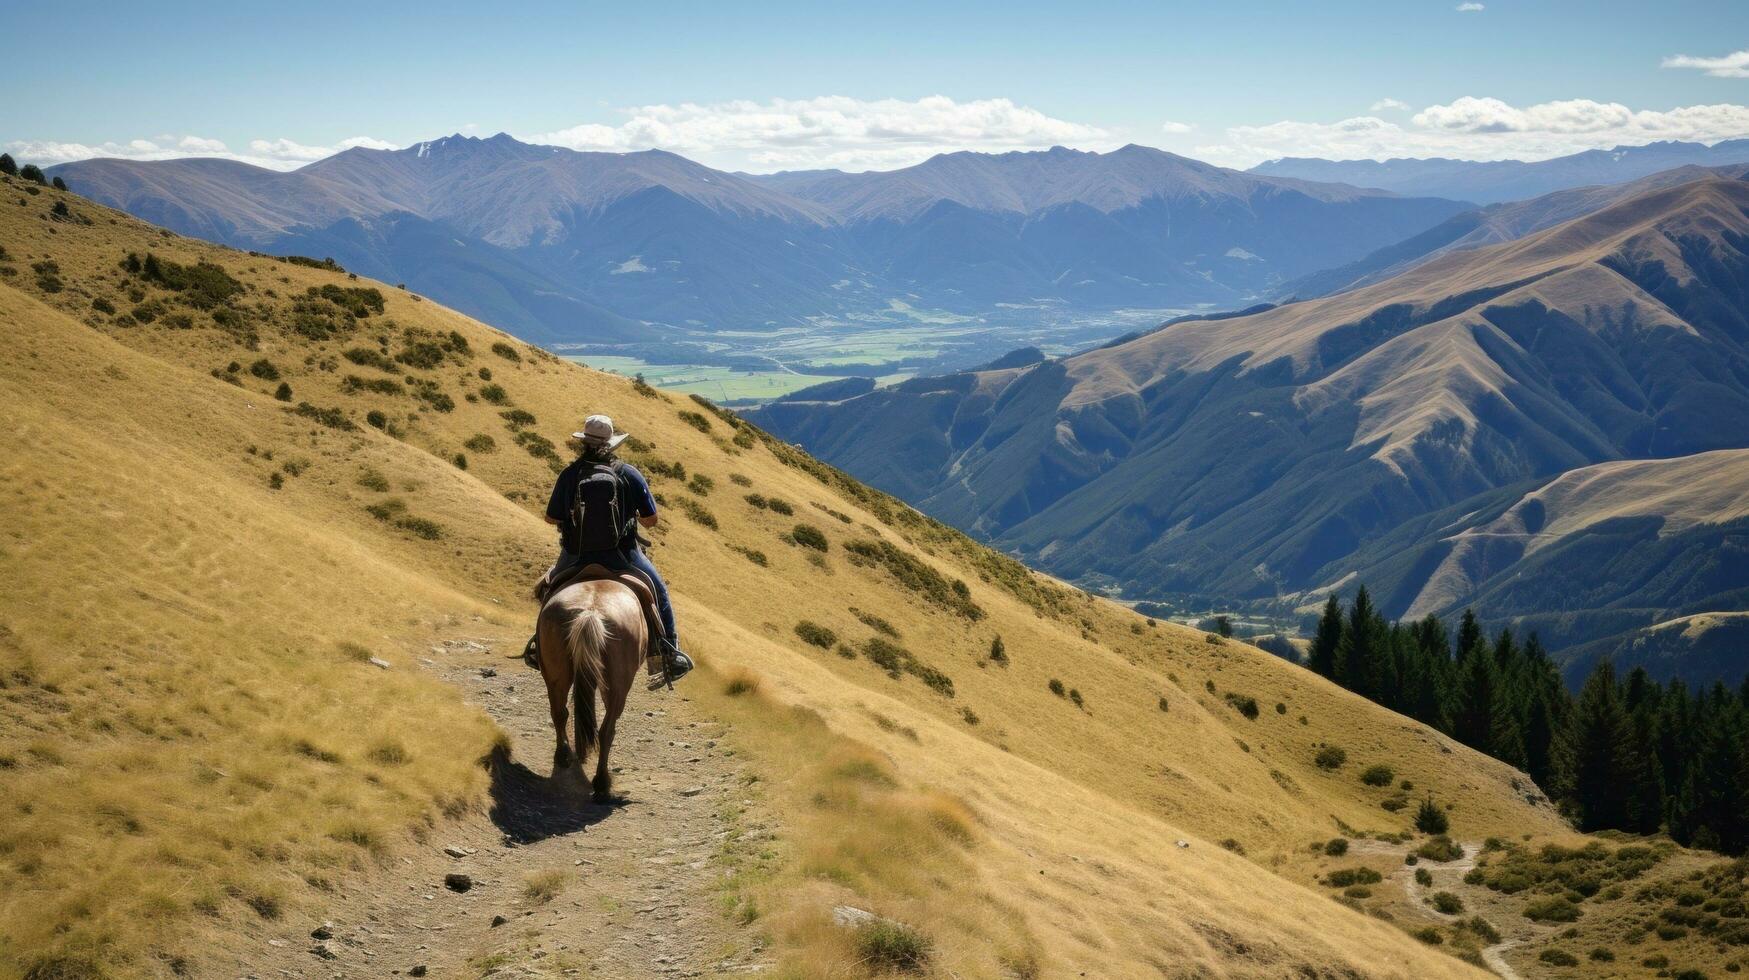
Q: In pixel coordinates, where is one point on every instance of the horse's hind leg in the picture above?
(556, 670)
(615, 697)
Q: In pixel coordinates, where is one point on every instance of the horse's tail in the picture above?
(588, 641)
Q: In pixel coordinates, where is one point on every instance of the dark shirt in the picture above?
(634, 491)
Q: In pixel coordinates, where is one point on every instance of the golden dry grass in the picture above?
(194, 623)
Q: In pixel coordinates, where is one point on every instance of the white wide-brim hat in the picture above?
(598, 433)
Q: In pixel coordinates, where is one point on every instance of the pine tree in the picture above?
(1545, 701)
(1713, 809)
(1475, 691)
(1363, 654)
(7, 165)
(1598, 758)
(1322, 657)
(1506, 723)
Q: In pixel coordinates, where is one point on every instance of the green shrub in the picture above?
(1164, 704)
(915, 575)
(100, 304)
(365, 357)
(1423, 877)
(507, 352)
(352, 384)
(1429, 935)
(481, 443)
(1447, 903)
(1555, 909)
(333, 418)
(808, 536)
(1483, 929)
(875, 623)
(1330, 757)
(429, 530)
(1336, 846)
(494, 394)
(376, 419)
(372, 479)
(1243, 704)
(1377, 776)
(517, 418)
(998, 652)
(753, 555)
(1057, 688)
(203, 285)
(815, 634)
(1558, 957)
(696, 420)
(1075, 696)
(1602, 955)
(265, 370)
(696, 512)
(283, 393)
(701, 484)
(1440, 848)
(890, 946)
(1344, 877)
(780, 507)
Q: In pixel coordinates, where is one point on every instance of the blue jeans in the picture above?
(634, 558)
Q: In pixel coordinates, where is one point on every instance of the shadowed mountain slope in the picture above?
(1253, 457)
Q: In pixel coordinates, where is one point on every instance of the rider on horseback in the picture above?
(599, 487)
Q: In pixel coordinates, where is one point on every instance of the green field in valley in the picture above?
(719, 384)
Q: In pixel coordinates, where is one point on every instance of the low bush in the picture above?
(1336, 846)
(815, 634)
(507, 352)
(365, 357)
(780, 507)
(875, 623)
(1243, 704)
(494, 394)
(889, 946)
(913, 574)
(1057, 688)
(1446, 903)
(1377, 776)
(751, 554)
(333, 418)
(1330, 757)
(1440, 848)
(1556, 909)
(1483, 929)
(481, 443)
(1558, 957)
(421, 527)
(808, 536)
(373, 480)
(1344, 877)
(265, 370)
(1423, 877)
(1429, 935)
(696, 420)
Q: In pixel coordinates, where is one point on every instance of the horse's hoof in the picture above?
(561, 760)
(601, 798)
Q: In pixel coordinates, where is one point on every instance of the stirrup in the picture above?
(670, 659)
(531, 652)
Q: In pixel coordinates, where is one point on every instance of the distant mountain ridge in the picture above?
(561, 245)
(1308, 446)
(1495, 181)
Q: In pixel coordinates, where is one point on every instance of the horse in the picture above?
(591, 635)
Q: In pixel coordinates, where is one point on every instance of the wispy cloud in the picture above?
(1481, 129)
(830, 131)
(276, 154)
(1175, 127)
(1733, 65)
(1470, 8)
(1383, 104)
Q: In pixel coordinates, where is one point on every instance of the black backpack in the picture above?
(598, 516)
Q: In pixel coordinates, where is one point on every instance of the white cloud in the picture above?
(1176, 127)
(1383, 104)
(1481, 129)
(830, 131)
(278, 154)
(1733, 65)
(1470, 8)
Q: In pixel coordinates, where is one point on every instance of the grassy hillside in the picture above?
(195, 740)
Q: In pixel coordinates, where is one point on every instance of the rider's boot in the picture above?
(531, 652)
(666, 665)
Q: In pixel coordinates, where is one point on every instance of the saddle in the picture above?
(631, 578)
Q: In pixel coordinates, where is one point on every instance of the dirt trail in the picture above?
(1449, 876)
(635, 892)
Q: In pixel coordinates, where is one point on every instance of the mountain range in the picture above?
(1550, 430)
(569, 247)
(1495, 181)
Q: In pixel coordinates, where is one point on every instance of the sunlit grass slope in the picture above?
(189, 615)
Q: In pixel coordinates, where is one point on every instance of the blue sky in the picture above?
(770, 86)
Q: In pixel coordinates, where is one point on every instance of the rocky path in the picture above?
(547, 884)
(1448, 876)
